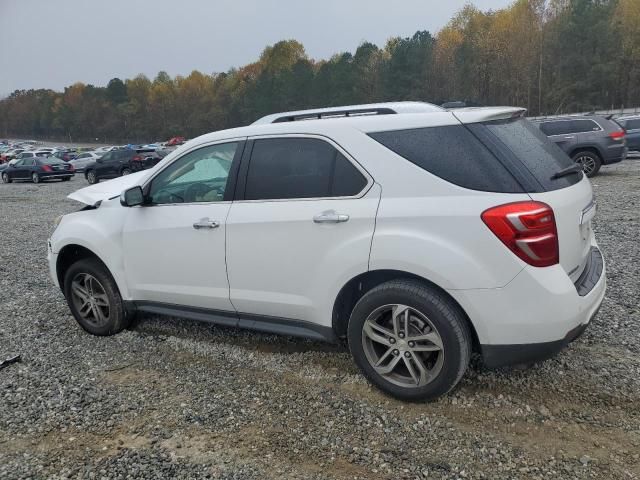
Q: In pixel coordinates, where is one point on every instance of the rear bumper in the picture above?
(537, 314)
(615, 154)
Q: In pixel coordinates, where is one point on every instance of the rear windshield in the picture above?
(527, 153)
(452, 153)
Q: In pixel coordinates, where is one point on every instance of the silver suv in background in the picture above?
(590, 140)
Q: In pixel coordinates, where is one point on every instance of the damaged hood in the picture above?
(108, 188)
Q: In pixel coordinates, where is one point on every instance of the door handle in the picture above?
(330, 217)
(569, 138)
(205, 223)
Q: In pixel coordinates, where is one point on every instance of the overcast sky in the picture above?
(54, 43)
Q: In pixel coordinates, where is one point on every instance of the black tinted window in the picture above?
(527, 152)
(561, 127)
(581, 126)
(299, 168)
(453, 154)
(632, 124)
(347, 180)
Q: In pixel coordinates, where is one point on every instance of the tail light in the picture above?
(47, 168)
(70, 167)
(528, 229)
(137, 158)
(617, 135)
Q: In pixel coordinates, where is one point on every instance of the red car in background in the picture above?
(175, 141)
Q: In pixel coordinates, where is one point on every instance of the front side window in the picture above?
(198, 176)
(290, 168)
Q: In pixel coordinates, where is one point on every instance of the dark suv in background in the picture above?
(590, 140)
(631, 126)
(122, 162)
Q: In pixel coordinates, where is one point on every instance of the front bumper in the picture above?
(537, 314)
(52, 258)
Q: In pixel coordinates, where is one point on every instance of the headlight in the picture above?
(56, 222)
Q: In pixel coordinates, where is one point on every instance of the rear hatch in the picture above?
(545, 173)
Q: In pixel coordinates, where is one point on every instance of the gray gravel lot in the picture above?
(174, 399)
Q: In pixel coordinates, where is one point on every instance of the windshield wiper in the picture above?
(575, 168)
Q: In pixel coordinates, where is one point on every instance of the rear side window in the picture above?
(582, 126)
(289, 168)
(529, 154)
(453, 154)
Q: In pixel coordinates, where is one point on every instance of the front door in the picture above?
(174, 245)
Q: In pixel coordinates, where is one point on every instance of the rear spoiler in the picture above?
(487, 114)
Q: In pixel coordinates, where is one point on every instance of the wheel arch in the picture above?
(359, 285)
(68, 255)
(587, 148)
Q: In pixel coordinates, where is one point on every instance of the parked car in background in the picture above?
(103, 150)
(37, 169)
(33, 154)
(417, 234)
(120, 162)
(175, 141)
(66, 155)
(11, 154)
(590, 140)
(82, 160)
(631, 125)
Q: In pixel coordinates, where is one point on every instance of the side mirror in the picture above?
(132, 197)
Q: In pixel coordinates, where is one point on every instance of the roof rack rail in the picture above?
(335, 113)
(346, 111)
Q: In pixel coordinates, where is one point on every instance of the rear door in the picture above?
(303, 220)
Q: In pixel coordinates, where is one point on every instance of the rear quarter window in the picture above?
(452, 153)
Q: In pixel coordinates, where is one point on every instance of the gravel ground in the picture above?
(174, 399)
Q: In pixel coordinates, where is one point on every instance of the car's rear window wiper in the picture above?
(567, 171)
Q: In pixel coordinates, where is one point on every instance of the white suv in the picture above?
(417, 234)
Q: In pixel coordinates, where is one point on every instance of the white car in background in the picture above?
(416, 234)
(86, 158)
(103, 150)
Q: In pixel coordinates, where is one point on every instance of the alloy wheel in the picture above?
(35, 178)
(403, 346)
(5, 178)
(91, 176)
(90, 299)
(587, 163)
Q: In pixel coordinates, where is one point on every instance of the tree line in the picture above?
(550, 56)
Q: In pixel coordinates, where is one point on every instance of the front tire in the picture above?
(410, 340)
(126, 171)
(6, 178)
(94, 299)
(35, 178)
(589, 161)
(66, 179)
(92, 178)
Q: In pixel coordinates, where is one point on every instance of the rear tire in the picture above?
(6, 178)
(66, 179)
(94, 299)
(35, 178)
(91, 177)
(589, 161)
(427, 348)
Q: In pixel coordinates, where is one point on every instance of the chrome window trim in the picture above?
(334, 144)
